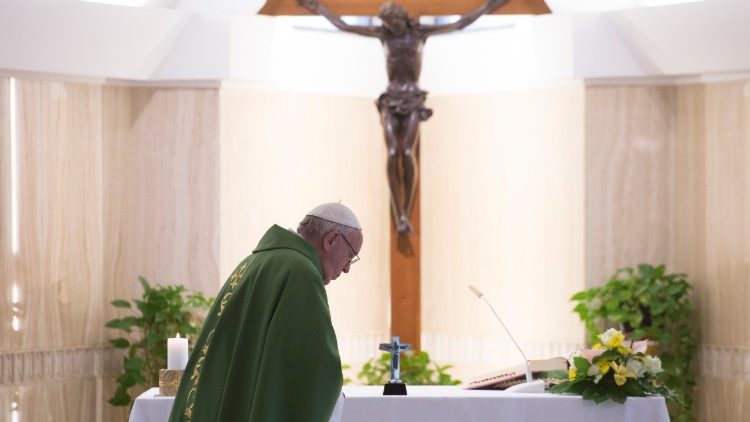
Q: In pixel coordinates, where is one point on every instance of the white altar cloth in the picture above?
(151, 407)
(448, 404)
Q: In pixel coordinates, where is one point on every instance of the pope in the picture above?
(268, 351)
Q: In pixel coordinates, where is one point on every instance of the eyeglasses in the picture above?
(356, 257)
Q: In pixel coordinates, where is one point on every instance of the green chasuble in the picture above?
(267, 351)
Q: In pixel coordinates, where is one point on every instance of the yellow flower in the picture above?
(624, 350)
(572, 372)
(603, 366)
(598, 346)
(611, 337)
(622, 373)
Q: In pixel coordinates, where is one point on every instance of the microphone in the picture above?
(530, 386)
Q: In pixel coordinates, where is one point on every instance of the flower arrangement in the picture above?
(612, 370)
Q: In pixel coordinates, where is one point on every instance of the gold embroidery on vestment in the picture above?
(234, 280)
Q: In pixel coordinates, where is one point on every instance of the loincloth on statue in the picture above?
(404, 103)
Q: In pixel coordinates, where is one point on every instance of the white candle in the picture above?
(177, 352)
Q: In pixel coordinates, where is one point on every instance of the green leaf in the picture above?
(134, 364)
(633, 389)
(144, 283)
(561, 388)
(582, 364)
(120, 303)
(579, 386)
(582, 295)
(131, 321)
(118, 324)
(114, 323)
(638, 334)
(121, 398)
(590, 391)
(127, 379)
(646, 270)
(152, 339)
(120, 343)
(582, 309)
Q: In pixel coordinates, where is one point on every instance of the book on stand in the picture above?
(552, 371)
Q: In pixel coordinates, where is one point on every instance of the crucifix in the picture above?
(402, 108)
(402, 105)
(395, 387)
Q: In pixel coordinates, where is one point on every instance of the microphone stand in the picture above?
(530, 386)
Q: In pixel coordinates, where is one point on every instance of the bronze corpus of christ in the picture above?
(401, 106)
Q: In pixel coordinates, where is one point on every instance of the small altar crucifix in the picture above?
(395, 387)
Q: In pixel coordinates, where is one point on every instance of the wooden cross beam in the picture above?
(406, 295)
(415, 7)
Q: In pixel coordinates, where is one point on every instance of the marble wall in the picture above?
(111, 183)
(502, 209)
(160, 179)
(723, 274)
(283, 153)
(529, 194)
(173, 184)
(629, 167)
(533, 195)
(668, 182)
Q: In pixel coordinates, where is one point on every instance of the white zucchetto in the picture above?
(337, 213)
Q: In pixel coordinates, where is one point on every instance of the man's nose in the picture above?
(346, 267)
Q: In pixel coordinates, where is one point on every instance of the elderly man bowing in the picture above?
(268, 351)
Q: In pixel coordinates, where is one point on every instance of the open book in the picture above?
(508, 377)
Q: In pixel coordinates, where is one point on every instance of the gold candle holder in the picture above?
(169, 381)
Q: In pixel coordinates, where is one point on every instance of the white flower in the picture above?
(593, 370)
(652, 364)
(640, 346)
(590, 354)
(611, 337)
(571, 360)
(636, 366)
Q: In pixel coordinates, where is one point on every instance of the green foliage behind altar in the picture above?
(161, 313)
(416, 369)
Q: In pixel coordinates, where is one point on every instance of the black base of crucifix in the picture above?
(394, 389)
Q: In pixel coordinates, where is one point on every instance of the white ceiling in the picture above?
(252, 6)
(197, 41)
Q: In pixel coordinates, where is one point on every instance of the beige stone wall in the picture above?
(112, 183)
(530, 195)
(502, 209)
(667, 182)
(722, 275)
(630, 163)
(176, 185)
(282, 154)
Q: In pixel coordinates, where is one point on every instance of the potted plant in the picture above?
(162, 312)
(648, 303)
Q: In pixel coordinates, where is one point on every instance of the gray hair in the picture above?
(312, 227)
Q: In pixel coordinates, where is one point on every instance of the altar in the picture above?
(453, 403)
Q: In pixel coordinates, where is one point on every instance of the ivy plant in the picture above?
(648, 303)
(416, 369)
(161, 312)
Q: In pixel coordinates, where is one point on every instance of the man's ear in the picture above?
(329, 240)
